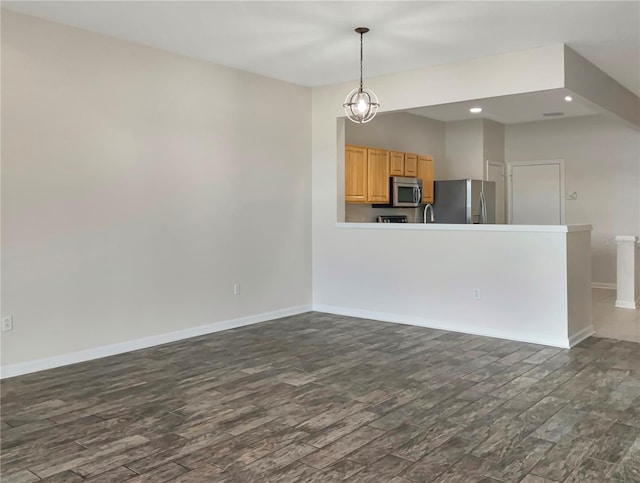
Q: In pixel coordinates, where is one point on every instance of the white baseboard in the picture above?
(562, 342)
(154, 340)
(626, 304)
(581, 335)
(608, 286)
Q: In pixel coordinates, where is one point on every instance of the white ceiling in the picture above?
(313, 43)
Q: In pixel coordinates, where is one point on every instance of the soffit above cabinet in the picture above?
(514, 109)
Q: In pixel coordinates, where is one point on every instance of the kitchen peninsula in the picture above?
(518, 282)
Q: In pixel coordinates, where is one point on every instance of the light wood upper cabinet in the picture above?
(378, 176)
(425, 173)
(396, 161)
(367, 172)
(355, 179)
(403, 164)
(411, 165)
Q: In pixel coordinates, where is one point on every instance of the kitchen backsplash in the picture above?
(362, 213)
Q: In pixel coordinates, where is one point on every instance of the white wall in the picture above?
(464, 149)
(493, 141)
(469, 144)
(602, 164)
(138, 185)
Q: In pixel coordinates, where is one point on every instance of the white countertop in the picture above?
(462, 227)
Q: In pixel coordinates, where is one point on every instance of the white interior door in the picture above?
(495, 172)
(536, 190)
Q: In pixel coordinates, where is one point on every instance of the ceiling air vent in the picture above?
(552, 114)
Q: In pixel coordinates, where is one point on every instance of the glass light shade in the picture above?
(361, 105)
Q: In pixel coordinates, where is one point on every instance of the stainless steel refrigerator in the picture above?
(464, 201)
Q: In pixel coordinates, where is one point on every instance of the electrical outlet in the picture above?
(7, 323)
(476, 294)
(236, 288)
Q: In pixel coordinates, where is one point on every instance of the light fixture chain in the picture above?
(361, 34)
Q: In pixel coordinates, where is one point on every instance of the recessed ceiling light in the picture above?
(475, 110)
(568, 98)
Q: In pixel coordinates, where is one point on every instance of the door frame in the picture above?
(510, 165)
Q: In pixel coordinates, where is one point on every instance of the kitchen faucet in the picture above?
(428, 207)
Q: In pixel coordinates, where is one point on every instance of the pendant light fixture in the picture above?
(361, 105)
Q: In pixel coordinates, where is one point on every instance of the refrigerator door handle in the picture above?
(483, 208)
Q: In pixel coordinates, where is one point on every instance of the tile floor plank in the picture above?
(323, 398)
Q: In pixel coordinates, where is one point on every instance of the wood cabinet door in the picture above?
(396, 161)
(378, 176)
(411, 165)
(355, 175)
(425, 173)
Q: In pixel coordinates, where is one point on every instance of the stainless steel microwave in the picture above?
(404, 192)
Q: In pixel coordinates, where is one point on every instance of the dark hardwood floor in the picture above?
(321, 398)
